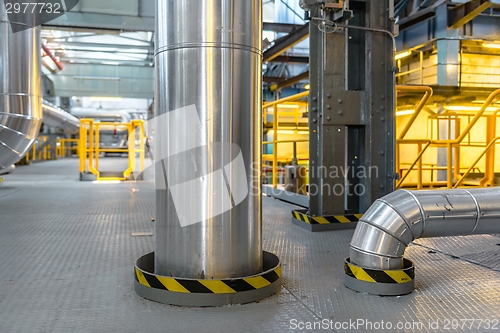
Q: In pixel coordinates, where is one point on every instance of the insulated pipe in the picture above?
(51, 56)
(394, 221)
(20, 89)
(102, 115)
(56, 117)
(209, 61)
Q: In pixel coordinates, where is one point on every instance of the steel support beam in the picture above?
(351, 113)
(280, 27)
(272, 79)
(291, 81)
(419, 16)
(291, 59)
(464, 13)
(286, 43)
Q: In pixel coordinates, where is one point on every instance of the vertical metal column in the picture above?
(208, 55)
(20, 89)
(448, 49)
(351, 113)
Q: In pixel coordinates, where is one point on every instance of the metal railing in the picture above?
(90, 149)
(275, 142)
(456, 140)
(67, 147)
(35, 154)
(453, 168)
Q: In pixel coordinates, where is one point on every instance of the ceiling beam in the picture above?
(285, 43)
(464, 13)
(291, 81)
(86, 20)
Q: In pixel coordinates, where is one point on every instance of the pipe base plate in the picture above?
(199, 292)
(324, 223)
(380, 282)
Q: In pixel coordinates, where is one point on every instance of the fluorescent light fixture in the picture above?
(404, 112)
(307, 86)
(468, 108)
(303, 132)
(402, 55)
(107, 99)
(495, 45)
(288, 106)
(284, 132)
(100, 78)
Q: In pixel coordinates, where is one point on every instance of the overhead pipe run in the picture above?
(20, 89)
(58, 118)
(207, 144)
(52, 57)
(376, 264)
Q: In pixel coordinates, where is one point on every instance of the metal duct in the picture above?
(208, 55)
(20, 90)
(102, 115)
(56, 117)
(108, 132)
(397, 219)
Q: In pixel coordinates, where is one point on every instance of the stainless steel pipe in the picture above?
(20, 90)
(57, 117)
(208, 55)
(397, 219)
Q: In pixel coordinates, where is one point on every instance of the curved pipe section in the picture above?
(20, 90)
(397, 219)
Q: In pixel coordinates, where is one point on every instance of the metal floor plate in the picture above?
(68, 255)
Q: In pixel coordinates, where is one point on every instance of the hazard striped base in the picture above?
(323, 223)
(200, 292)
(380, 282)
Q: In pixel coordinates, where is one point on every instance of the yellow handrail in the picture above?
(491, 144)
(449, 144)
(89, 146)
(427, 95)
(275, 142)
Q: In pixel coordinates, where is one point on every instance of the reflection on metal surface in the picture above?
(20, 90)
(56, 117)
(209, 55)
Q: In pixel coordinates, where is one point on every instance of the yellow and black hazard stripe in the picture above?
(396, 276)
(199, 286)
(302, 216)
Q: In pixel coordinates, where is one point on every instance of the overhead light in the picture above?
(284, 132)
(402, 55)
(482, 102)
(404, 112)
(107, 99)
(469, 108)
(495, 45)
(288, 106)
(101, 78)
(303, 132)
(307, 86)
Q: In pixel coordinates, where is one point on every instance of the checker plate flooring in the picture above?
(68, 250)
